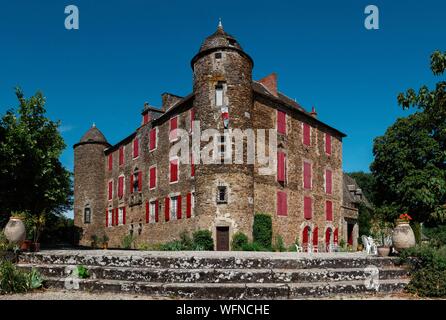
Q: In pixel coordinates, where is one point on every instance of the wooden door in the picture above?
(222, 238)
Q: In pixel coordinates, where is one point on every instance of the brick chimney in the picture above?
(313, 112)
(169, 100)
(270, 82)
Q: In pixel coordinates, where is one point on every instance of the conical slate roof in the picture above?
(94, 135)
(220, 39)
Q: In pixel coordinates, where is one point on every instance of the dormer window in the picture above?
(232, 42)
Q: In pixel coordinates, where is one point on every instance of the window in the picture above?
(152, 178)
(121, 155)
(282, 205)
(152, 211)
(308, 208)
(175, 207)
(307, 175)
(136, 181)
(306, 134)
(152, 139)
(173, 170)
(109, 217)
(222, 143)
(87, 215)
(281, 122)
(173, 128)
(328, 144)
(219, 95)
(110, 162)
(328, 182)
(110, 190)
(281, 167)
(328, 210)
(121, 186)
(218, 55)
(222, 194)
(121, 216)
(192, 166)
(136, 148)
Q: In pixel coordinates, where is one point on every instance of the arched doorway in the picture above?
(328, 239)
(306, 235)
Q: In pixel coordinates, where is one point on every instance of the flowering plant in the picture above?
(404, 217)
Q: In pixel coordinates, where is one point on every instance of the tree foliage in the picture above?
(32, 178)
(410, 159)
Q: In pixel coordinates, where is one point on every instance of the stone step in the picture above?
(229, 290)
(206, 260)
(221, 275)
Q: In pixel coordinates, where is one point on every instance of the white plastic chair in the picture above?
(373, 246)
(299, 248)
(365, 242)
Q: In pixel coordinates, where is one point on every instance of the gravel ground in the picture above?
(50, 294)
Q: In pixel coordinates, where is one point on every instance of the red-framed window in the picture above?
(281, 166)
(308, 208)
(307, 175)
(173, 170)
(328, 181)
(152, 178)
(281, 122)
(121, 186)
(328, 210)
(110, 190)
(173, 128)
(306, 134)
(152, 139)
(305, 236)
(121, 155)
(282, 204)
(110, 162)
(328, 144)
(135, 148)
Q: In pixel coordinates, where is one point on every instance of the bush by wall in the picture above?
(262, 230)
(202, 240)
(238, 241)
(13, 280)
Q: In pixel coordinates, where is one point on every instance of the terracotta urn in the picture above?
(383, 251)
(403, 236)
(15, 231)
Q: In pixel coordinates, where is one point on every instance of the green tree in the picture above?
(410, 159)
(366, 181)
(32, 179)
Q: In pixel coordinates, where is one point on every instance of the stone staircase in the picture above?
(219, 275)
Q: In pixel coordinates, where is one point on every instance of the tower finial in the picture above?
(220, 25)
(94, 125)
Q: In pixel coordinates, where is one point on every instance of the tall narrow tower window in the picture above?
(87, 215)
(219, 95)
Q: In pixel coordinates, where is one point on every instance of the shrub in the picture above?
(238, 241)
(428, 270)
(202, 240)
(82, 272)
(279, 245)
(262, 230)
(35, 280)
(175, 245)
(128, 241)
(13, 280)
(253, 246)
(186, 241)
(436, 235)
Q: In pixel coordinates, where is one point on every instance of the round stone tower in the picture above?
(89, 184)
(223, 100)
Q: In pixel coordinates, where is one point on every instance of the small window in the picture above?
(222, 145)
(218, 55)
(219, 95)
(153, 210)
(222, 194)
(173, 208)
(232, 42)
(87, 215)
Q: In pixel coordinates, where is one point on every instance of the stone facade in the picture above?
(222, 65)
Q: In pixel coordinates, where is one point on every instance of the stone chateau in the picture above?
(135, 187)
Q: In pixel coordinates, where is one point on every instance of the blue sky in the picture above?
(128, 52)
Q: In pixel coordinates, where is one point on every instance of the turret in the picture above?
(89, 184)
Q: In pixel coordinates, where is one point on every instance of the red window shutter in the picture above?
(110, 162)
(189, 205)
(123, 215)
(152, 177)
(335, 237)
(110, 190)
(307, 175)
(121, 155)
(315, 236)
(135, 148)
(307, 134)
(113, 217)
(328, 144)
(156, 210)
(166, 209)
(147, 212)
(328, 181)
(106, 218)
(131, 183)
(174, 170)
(281, 166)
(305, 235)
(152, 138)
(116, 216)
(281, 122)
(120, 186)
(173, 127)
(308, 210)
(179, 213)
(146, 118)
(329, 210)
(140, 181)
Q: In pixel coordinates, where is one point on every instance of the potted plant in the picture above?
(403, 236)
(37, 224)
(94, 241)
(105, 242)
